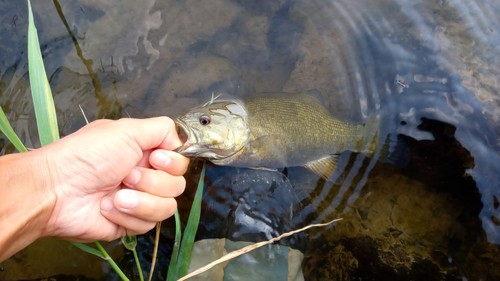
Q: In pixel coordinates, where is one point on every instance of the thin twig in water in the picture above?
(83, 113)
(244, 250)
(155, 250)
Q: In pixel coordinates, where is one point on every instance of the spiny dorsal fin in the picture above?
(323, 167)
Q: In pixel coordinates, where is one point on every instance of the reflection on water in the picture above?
(428, 69)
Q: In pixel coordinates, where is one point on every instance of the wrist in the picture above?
(27, 200)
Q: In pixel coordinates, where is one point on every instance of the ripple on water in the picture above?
(427, 69)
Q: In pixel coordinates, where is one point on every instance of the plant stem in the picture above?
(155, 250)
(111, 262)
(138, 264)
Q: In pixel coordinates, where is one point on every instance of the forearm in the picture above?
(26, 201)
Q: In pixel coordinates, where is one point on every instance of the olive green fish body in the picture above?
(273, 131)
(293, 130)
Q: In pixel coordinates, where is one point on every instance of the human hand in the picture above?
(114, 178)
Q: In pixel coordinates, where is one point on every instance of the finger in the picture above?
(155, 182)
(143, 205)
(129, 224)
(169, 161)
(144, 162)
(158, 132)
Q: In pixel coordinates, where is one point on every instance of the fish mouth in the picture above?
(187, 137)
(191, 147)
(182, 131)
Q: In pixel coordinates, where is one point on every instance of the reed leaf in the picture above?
(191, 228)
(89, 250)
(40, 88)
(181, 252)
(172, 267)
(7, 130)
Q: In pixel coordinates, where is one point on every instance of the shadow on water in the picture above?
(427, 69)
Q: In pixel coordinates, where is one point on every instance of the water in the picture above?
(428, 69)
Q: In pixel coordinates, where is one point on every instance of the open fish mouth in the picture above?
(187, 137)
(191, 146)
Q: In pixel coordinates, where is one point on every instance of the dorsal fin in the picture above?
(324, 167)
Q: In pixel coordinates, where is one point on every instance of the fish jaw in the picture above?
(187, 136)
(191, 147)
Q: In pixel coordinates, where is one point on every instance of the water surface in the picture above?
(427, 69)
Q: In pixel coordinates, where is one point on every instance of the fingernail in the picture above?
(106, 204)
(133, 178)
(161, 159)
(126, 199)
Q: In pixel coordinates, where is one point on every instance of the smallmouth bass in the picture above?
(273, 131)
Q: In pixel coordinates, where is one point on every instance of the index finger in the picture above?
(150, 133)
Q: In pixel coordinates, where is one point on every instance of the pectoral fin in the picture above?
(323, 167)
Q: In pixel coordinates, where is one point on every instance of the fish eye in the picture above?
(205, 120)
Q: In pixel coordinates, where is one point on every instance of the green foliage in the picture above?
(45, 111)
(130, 243)
(181, 254)
(191, 228)
(86, 248)
(172, 267)
(111, 262)
(7, 130)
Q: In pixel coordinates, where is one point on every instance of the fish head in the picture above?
(215, 130)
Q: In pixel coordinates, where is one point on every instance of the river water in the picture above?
(428, 69)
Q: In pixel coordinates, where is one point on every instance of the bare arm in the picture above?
(108, 179)
(26, 201)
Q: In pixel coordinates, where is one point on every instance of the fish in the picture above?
(272, 131)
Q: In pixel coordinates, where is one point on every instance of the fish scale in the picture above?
(294, 129)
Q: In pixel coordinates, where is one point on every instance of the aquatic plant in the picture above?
(181, 254)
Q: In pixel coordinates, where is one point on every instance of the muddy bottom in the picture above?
(413, 224)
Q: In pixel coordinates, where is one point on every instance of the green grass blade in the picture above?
(7, 130)
(172, 267)
(191, 228)
(89, 250)
(40, 89)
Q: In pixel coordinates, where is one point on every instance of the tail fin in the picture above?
(394, 150)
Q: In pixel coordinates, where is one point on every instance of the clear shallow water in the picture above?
(428, 69)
